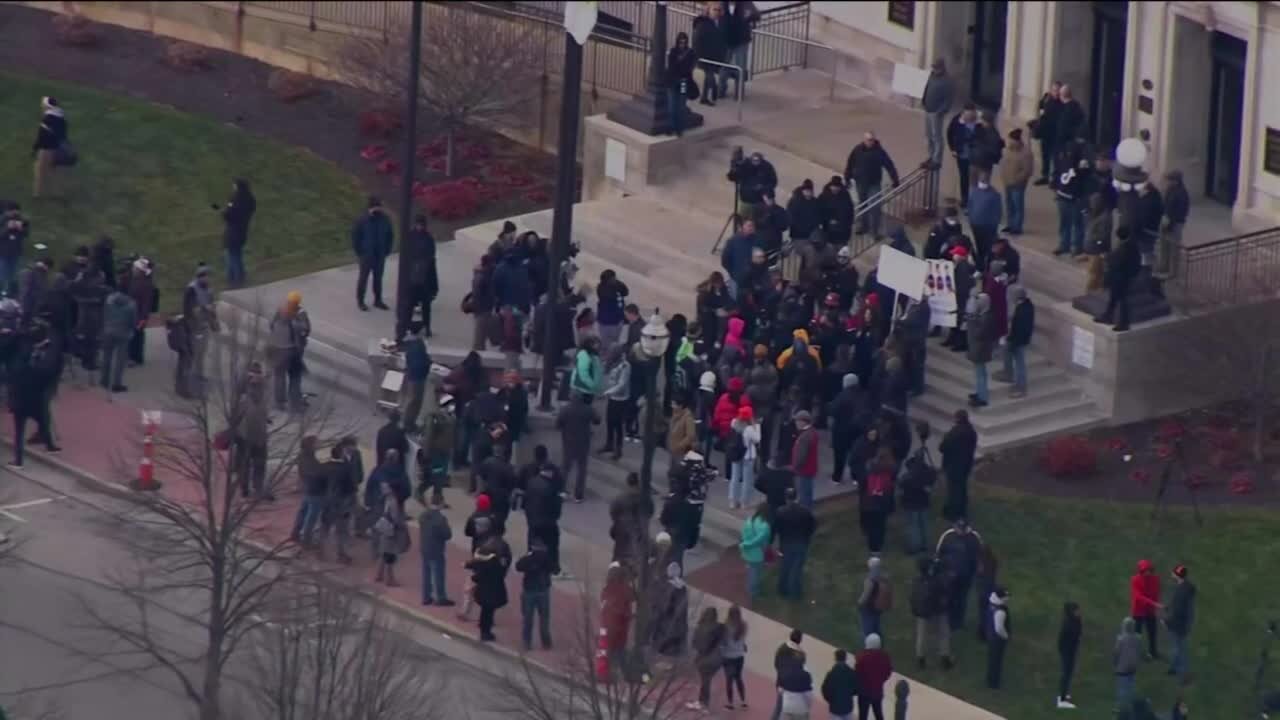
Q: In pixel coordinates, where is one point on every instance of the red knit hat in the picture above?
(744, 413)
(483, 503)
(959, 251)
(736, 384)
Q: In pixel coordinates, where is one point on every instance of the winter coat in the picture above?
(960, 552)
(985, 207)
(939, 93)
(998, 292)
(736, 256)
(679, 69)
(1068, 123)
(709, 40)
(236, 215)
(1019, 165)
(252, 426)
(617, 381)
(434, 533)
(804, 453)
(1023, 324)
(1177, 204)
(988, 146)
(867, 165)
(119, 317)
(511, 285)
(839, 688)
(794, 523)
(805, 215)
(535, 570)
(419, 251)
(1098, 234)
(742, 16)
(1069, 635)
(754, 180)
(756, 534)
(574, 422)
(960, 137)
(981, 335)
(588, 374)
(726, 410)
(490, 572)
(1127, 653)
(53, 131)
(372, 236)
(1144, 593)
(958, 448)
(1123, 263)
(682, 433)
(611, 298)
(417, 362)
(835, 210)
(873, 668)
(542, 501)
(1180, 614)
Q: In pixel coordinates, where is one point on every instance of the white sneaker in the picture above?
(693, 705)
(1065, 704)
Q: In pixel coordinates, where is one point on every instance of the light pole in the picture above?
(648, 113)
(654, 338)
(403, 313)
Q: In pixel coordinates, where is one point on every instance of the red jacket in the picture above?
(727, 410)
(873, 668)
(1144, 591)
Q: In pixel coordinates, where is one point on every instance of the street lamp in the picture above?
(654, 338)
(648, 113)
(403, 312)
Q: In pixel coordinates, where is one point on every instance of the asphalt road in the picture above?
(57, 566)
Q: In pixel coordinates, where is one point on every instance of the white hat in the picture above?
(707, 381)
(693, 456)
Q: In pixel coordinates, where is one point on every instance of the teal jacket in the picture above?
(755, 536)
(587, 374)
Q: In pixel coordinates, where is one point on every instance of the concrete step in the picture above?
(1077, 419)
(946, 392)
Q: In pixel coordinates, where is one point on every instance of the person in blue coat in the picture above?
(736, 256)
(372, 238)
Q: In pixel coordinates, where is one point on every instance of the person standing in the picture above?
(840, 688)
(372, 238)
(1177, 206)
(874, 667)
(848, 417)
(236, 215)
(417, 369)
(587, 378)
(744, 443)
(735, 258)
(681, 60)
(710, 42)
(981, 340)
(1123, 264)
(1144, 604)
(1001, 632)
(14, 230)
(287, 341)
(252, 435)
(835, 212)
(51, 136)
(959, 549)
(479, 304)
(939, 95)
(1044, 129)
(434, 534)
(794, 526)
(959, 447)
(543, 503)
(708, 637)
(797, 695)
(617, 393)
(961, 133)
(804, 457)
(756, 535)
(315, 492)
(929, 606)
(1068, 648)
(1021, 328)
(419, 251)
(1070, 123)
(983, 207)
(200, 316)
(682, 429)
(392, 534)
(1016, 171)
(865, 168)
(574, 422)
(611, 295)
(1070, 185)
(142, 289)
(918, 477)
(1125, 658)
(119, 320)
(743, 16)
(535, 595)
(31, 378)
(489, 565)
(733, 654)
(1180, 615)
(876, 597)
(786, 659)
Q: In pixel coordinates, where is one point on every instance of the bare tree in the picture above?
(331, 658)
(476, 69)
(200, 539)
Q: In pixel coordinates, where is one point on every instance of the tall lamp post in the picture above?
(654, 338)
(403, 313)
(648, 113)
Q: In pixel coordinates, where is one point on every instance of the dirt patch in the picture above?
(1206, 454)
(513, 178)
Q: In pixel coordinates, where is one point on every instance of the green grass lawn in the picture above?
(1056, 550)
(148, 173)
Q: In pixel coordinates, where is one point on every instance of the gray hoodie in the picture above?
(1128, 651)
(119, 317)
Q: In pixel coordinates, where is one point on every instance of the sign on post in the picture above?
(901, 272)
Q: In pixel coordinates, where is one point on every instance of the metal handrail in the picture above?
(923, 175)
(1229, 271)
(740, 86)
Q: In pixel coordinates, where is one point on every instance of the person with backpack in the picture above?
(929, 606)
(959, 549)
(876, 597)
(840, 688)
(741, 449)
(918, 477)
(874, 667)
(876, 499)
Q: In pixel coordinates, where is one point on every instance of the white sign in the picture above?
(940, 288)
(1082, 347)
(909, 81)
(152, 417)
(901, 272)
(615, 160)
(580, 19)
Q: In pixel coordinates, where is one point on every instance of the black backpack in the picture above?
(735, 448)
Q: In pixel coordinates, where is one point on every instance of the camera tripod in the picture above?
(1178, 459)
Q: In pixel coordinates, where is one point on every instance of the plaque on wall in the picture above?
(1271, 152)
(1146, 104)
(903, 13)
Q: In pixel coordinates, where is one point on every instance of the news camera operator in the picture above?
(754, 178)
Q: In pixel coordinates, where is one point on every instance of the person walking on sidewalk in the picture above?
(756, 535)
(119, 320)
(236, 216)
(794, 527)
(1068, 649)
(733, 655)
(840, 688)
(1126, 655)
(434, 534)
(535, 595)
(372, 238)
(874, 667)
(939, 95)
(929, 606)
(998, 642)
(708, 636)
(876, 597)
(286, 342)
(787, 659)
(1144, 604)
(574, 422)
(1180, 615)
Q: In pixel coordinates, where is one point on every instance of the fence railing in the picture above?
(1230, 271)
(913, 200)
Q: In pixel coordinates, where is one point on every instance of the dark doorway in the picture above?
(988, 31)
(1106, 77)
(1226, 111)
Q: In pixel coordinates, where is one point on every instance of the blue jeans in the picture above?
(1125, 685)
(711, 82)
(791, 569)
(740, 56)
(1015, 366)
(804, 491)
(753, 578)
(871, 221)
(235, 266)
(980, 381)
(869, 621)
(115, 353)
(535, 602)
(308, 515)
(917, 530)
(9, 273)
(676, 108)
(1015, 203)
(1070, 226)
(933, 124)
(1178, 665)
(741, 479)
(433, 587)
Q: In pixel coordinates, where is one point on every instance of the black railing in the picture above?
(914, 200)
(1230, 271)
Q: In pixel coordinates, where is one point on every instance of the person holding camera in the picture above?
(754, 177)
(236, 215)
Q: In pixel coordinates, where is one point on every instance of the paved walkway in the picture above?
(99, 433)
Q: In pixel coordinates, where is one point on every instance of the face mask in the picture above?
(983, 185)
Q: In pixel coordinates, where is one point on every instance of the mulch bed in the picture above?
(507, 177)
(1127, 463)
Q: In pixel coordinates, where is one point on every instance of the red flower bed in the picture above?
(1242, 483)
(539, 197)
(1170, 430)
(1070, 456)
(379, 123)
(388, 167)
(373, 152)
(1142, 477)
(509, 174)
(453, 200)
(1117, 444)
(1164, 452)
(434, 149)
